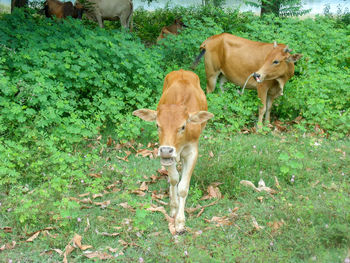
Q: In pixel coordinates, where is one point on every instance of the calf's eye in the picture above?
(275, 62)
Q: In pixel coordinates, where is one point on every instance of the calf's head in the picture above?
(175, 128)
(277, 64)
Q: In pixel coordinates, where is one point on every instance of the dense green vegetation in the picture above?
(67, 86)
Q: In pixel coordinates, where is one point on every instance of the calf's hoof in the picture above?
(180, 226)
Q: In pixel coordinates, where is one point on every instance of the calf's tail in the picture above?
(198, 58)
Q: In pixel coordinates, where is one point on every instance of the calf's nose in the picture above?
(166, 151)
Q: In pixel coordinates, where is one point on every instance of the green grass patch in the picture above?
(305, 221)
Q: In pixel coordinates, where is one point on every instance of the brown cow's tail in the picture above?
(198, 58)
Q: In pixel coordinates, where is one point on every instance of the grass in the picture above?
(306, 221)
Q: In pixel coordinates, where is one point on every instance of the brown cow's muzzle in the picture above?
(167, 155)
(258, 77)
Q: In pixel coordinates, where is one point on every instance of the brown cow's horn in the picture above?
(274, 44)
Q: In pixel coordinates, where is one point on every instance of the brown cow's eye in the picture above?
(275, 62)
(183, 128)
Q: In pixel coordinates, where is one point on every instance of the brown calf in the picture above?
(62, 9)
(172, 29)
(181, 116)
(238, 59)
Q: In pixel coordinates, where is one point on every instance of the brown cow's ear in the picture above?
(200, 116)
(146, 114)
(294, 57)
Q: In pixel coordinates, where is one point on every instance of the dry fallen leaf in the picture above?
(94, 196)
(67, 251)
(8, 246)
(127, 206)
(256, 225)
(138, 192)
(77, 241)
(276, 225)
(220, 221)
(87, 225)
(211, 154)
(98, 254)
(171, 221)
(33, 237)
(143, 186)
(103, 204)
(213, 192)
(7, 229)
(49, 252)
(261, 186)
(106, 234)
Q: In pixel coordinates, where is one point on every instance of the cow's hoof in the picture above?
(173, 212)
(183, 231)
(180, 227)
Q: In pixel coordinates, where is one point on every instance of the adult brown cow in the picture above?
(181, 116)
(62, 9)
(172, 29)
(239, 59)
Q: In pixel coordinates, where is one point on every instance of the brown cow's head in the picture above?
(173, 122)
(78, 10)
(277, 64)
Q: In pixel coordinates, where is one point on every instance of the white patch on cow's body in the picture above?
(281, 83)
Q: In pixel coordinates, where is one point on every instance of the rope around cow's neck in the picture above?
(241, 93)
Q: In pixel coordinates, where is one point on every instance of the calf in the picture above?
(172, 29)
(237, 59)
(181, 116)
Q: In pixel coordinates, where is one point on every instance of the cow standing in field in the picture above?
(62, 9)
(99, 10)
(172, 29)
(181, 116)
(237, 59)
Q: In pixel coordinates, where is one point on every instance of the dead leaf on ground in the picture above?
(50, 251)
(126, 244)
(95, 175)
(261, 186)
(7, 229)
(87, 225)
(171, 221)
(106, 234)
(162, 171)
(145, 153)
(276, 225)
(94, 196)
(213, 192)
(138, 192)
(127, 206)
(86, 201)
(125, 158)
(277, 184)
(31, 239)
(98, 254)
(143, 186)
(211, 155)
(8, 246)
(256, 225)
(77, 242)
(157, 196)
(68, 249)
(220, 221)
(103, 204)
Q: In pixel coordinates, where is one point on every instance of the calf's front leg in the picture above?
(173, 192)
(189, 161)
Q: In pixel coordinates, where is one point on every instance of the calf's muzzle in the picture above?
(167, 155)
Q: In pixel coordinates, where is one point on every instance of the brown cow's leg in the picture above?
(262, 94)
(211, 81)
(173, 192)
(189, 156)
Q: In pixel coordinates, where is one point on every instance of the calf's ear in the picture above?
(146, 114)
(200, 116)
(294, 57)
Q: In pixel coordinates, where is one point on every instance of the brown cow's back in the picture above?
(183, 88)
